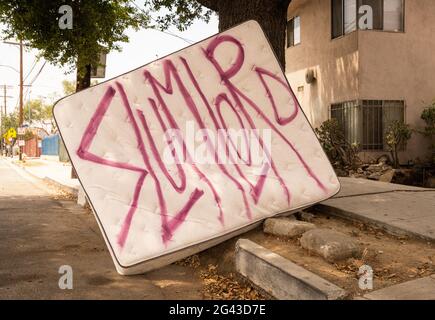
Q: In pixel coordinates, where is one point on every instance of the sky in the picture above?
(143, 47)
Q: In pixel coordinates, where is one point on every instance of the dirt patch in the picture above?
(394, 260)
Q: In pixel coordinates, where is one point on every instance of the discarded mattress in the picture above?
(193, 149)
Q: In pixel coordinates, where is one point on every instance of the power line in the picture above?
(38, 74)
(27, 94)
(165, 32)
(174, 35)
(31, 69)
(10, 67)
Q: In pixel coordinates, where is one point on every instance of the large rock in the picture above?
(286, 228)
(306, 216)
(331, 245)
(387, 176)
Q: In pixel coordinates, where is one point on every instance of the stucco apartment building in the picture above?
(364, 78)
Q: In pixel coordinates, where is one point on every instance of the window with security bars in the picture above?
(365, 122)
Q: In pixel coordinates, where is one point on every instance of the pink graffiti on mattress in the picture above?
(238, 102)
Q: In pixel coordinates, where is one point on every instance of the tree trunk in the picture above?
(396, 157)
(83, 81)
(270, 14)
(83, 78)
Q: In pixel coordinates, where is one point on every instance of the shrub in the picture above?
(28, 135)
(341, 153)
(428, 116)
(397, 137)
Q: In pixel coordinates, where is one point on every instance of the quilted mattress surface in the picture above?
(193, 147)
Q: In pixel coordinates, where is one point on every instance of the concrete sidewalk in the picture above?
(54, 172)
(398, 209)
(420, 289)
(39, 233)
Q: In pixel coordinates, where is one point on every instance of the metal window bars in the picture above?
(365, 122)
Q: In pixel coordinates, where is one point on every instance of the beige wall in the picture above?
(365, 64)
(335, 61)
(401, 66)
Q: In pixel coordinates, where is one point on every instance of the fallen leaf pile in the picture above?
(63, 195)
(192, 261)
(219, 287)
(350, 267)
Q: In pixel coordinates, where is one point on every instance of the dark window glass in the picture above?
(337, 18)
(377, 7)
(293, 32)
(290, 33)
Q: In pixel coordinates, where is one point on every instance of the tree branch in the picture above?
(211, 4)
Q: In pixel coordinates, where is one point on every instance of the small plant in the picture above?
(428, 116)
(341, 153)
(397, 136)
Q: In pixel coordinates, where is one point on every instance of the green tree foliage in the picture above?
(10, 121)
(69, 87)
(98, 26)
(37, 110)
(28, 135)
(397, 136)
(178, 13)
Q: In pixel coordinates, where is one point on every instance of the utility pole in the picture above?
(5, 96)
(21, 86)
(21, 94)
(3, 113)
(21, 115)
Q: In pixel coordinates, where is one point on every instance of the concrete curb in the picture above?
(27, 171)
(48, 180)
(61, 186)
(350, 216)
(280, 277)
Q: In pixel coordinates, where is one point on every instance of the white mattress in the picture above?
(153, 210)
